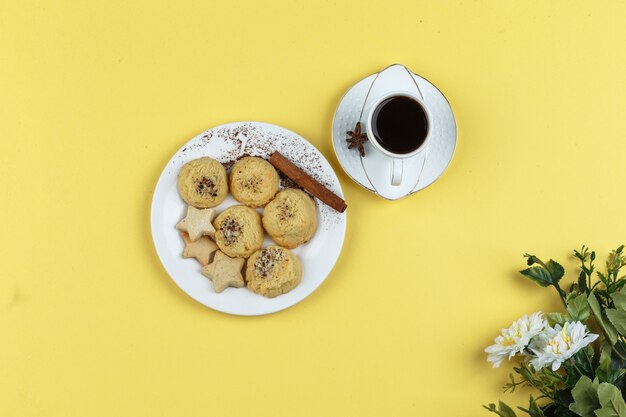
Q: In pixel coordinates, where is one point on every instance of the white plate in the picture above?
(225, 143)
(372, 172)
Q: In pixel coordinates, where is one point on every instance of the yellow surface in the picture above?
(96, 96)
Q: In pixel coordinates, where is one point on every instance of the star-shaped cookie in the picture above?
(197, 223)
(200, 249)
(224, 272)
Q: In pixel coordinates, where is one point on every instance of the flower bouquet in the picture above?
(574, 371)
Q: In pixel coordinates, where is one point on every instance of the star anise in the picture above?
(356, 139)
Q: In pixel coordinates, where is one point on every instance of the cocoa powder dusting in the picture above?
(286, 182)
(228, 165)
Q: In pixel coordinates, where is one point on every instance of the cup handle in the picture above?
(397, 169)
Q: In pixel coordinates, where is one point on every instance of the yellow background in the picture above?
(95, 97)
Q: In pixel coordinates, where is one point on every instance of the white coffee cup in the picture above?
(397, 159)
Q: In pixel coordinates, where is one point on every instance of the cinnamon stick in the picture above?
(307, 182)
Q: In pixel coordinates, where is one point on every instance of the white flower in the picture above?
(516, 338)
(555, 346)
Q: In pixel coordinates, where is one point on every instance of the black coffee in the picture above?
(400, 125)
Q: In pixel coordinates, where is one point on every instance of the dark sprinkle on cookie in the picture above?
(206, 187)
(264, 264)
(285, 211)
(252, 183)
(231, 230)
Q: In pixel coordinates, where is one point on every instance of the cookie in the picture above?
(253, 181)
(291, 218)
(200, 249)
(238, 231)
(224, 272)
(197, 223)
(202, 183)
(273, 271)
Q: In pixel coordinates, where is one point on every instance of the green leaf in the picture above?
(550, 377)
(618, 319)
(604, 366)
(538, 274)
(621, 281)
(578, 307)
(558, 318)
(503, 410)
(582, 281)
(607, 328)
(617, 375)
(556, 270)
(605, 356)
(586, 400)
(611, 400)
(583, 360)
(533, 409)
(603, 278)
(619, 298)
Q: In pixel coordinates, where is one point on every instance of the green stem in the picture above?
(556, 284)
(560, 291)
(588, 360)
(614, 347)
(528, 376)
(542, 391)
(577, 368)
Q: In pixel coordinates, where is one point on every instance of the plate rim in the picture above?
(280, 307)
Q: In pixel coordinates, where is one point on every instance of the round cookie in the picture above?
(238, 231)
(253, 181)
(291, 218)
(202, 183)
(273, 271)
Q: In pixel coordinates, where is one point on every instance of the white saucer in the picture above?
(371, 172)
